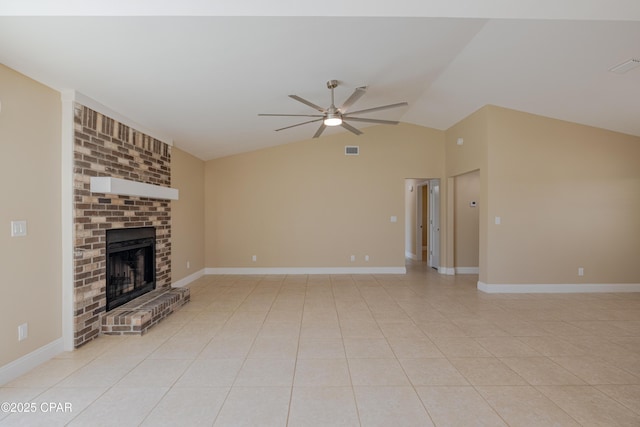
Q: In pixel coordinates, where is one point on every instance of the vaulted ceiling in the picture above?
(202, 80)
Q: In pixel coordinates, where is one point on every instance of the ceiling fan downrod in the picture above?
(332, 84)
(333, 116)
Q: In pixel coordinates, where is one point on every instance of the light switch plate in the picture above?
(23, 332)
(18, 228)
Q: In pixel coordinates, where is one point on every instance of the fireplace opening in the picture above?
(131, 264)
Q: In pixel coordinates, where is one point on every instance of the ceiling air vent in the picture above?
(351, 150)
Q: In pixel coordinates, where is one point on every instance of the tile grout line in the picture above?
(344, 347)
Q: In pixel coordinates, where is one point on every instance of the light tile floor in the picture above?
(373, 350)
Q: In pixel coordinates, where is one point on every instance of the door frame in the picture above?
(434, 223)
(419, 214)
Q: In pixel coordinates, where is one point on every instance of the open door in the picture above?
(434, 223)
(422, 221)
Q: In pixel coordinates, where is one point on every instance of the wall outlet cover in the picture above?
(18, 228)
(23, 332)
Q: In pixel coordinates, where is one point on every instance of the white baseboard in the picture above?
(449, 271)
(411, 256)
(21, 366)
(467, 270)
(306, 270)
(558, 288)
(186, 280)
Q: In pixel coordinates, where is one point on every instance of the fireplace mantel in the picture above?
(125, 187)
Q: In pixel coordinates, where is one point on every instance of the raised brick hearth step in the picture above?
(137, 316)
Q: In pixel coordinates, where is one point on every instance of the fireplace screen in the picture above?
(131, 267)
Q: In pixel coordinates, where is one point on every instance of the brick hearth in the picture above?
(137, 316)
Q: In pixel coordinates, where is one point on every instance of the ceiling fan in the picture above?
(333, 116)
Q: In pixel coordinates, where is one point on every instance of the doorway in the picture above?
(466, 223)
(422, 212)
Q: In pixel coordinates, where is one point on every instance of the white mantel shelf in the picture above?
(124, 187)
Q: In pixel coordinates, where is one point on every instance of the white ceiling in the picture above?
(202, 80)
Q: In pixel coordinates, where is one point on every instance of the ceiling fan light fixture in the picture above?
(333, 120)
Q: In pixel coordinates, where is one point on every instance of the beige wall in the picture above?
(308, 205)
(187, 215)
(30, 180)
(568, 196)
(460, 159)
(466, 219)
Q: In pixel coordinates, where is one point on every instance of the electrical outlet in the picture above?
(23, 332)
(580, 271)
(18, 228)
(254, 258)
(366, 258)
(188, 265)
(353, 258)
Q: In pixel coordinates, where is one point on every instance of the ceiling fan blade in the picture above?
(383, 107)
(299, 124)
(350, 128)
(309, 103)
(320, 130)
(292, 115)
(383, 122)
(353, 98)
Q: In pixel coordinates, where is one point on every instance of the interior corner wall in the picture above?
(187, 215)
(567, 196)
(307, 204)
(30, 168)
(466, 151)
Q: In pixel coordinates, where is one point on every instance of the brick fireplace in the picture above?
(105, 147)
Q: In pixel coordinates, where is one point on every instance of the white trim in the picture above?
(96, 106)
(306, 270)
(66, 164)
(186, 280)
(125, 187)
(449, 271)
(21, 366)
(409, 255)
(557, 288)
(435, 219)
(467, 270)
